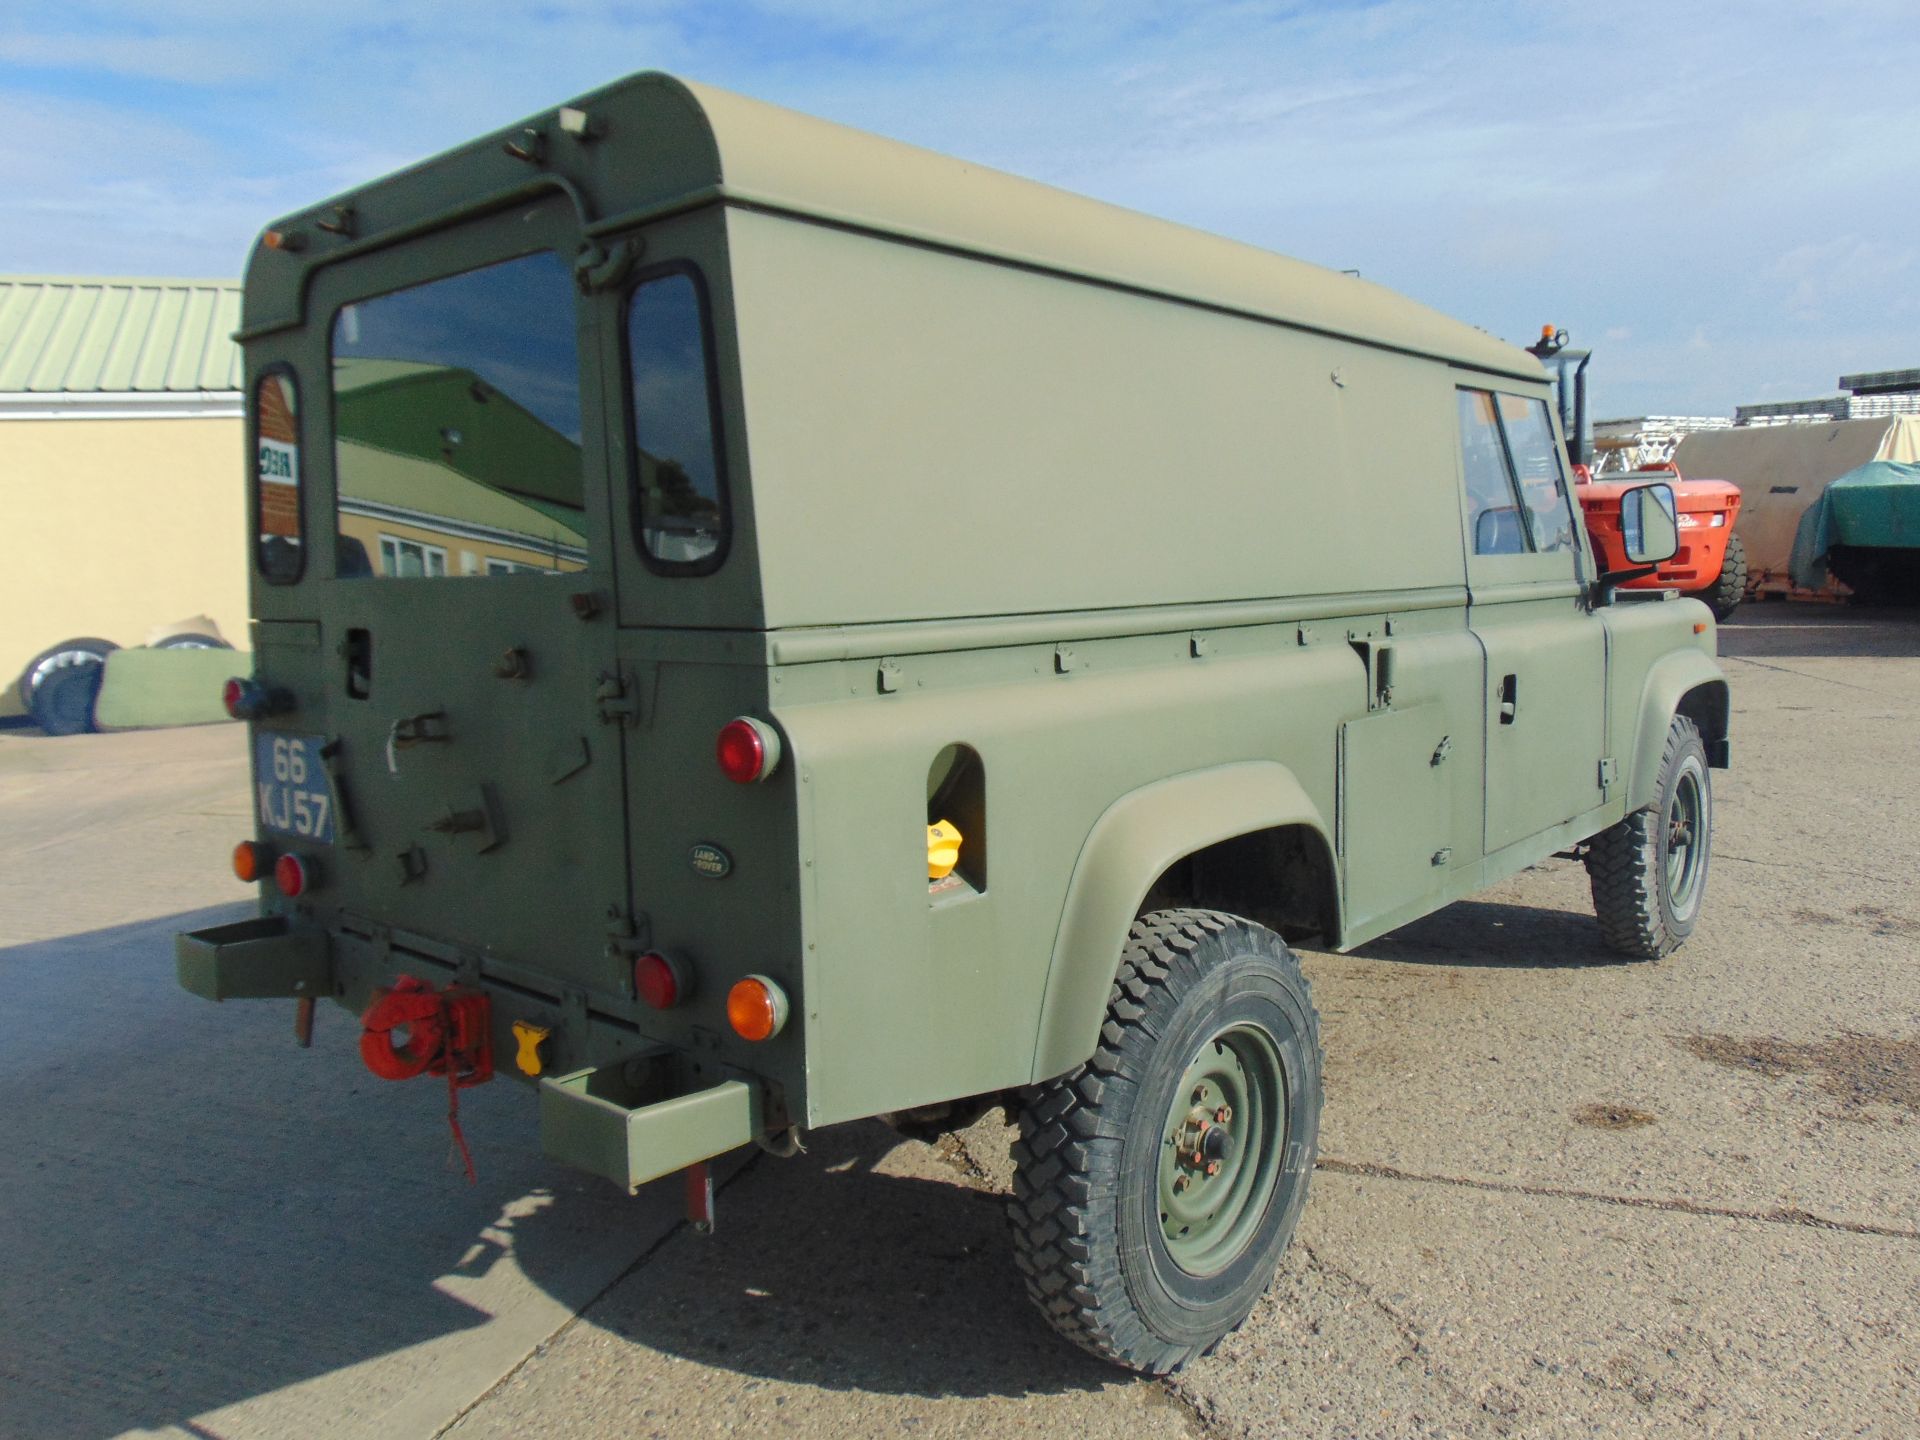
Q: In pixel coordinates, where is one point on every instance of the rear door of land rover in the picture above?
(460, 565)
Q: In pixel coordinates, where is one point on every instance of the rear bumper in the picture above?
(263, 958)
(638, 1112)
(598, 1121)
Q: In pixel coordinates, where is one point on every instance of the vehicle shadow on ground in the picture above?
(826, 1271)
(1489, 933)
(199, 1213)
(1786, 631)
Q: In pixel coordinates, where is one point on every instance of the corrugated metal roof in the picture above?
(76, 334)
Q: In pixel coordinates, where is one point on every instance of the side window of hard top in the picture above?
(1517, 497)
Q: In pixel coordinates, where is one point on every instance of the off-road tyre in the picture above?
(1198, 995)
(1649, 878)
(1723, 597)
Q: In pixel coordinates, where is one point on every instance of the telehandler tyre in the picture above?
(1723, 597)
(1157, 1184)
(1649, 870)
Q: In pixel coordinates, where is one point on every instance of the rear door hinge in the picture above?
(619, 699)
(629, 933)
(1608, 772)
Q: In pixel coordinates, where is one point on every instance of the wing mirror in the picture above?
(1649, 524)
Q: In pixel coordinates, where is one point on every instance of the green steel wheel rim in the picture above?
(1218, 1176)
(1686, 841)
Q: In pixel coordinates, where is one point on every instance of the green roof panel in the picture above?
(66, 335)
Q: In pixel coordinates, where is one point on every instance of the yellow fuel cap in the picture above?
(943, 849)
(529, 1037)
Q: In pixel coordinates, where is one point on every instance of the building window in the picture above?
(409, 559)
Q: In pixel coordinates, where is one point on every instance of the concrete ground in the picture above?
(1558, 1194)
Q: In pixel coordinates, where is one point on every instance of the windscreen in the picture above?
(457, 426)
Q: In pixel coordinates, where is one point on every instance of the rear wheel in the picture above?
(1157, 1184)
(1649, 871)
(1723, 597)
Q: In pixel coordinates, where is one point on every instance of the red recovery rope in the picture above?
(447, 1032)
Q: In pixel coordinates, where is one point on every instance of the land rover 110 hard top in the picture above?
(759, 626)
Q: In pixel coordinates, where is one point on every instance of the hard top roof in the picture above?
(654, 142)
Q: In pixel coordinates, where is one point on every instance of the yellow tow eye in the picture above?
(529, 1037)
(943, 849)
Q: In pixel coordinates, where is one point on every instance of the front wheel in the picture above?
(1649, 870)
(1157, 1184)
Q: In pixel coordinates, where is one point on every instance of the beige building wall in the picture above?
(112, 527)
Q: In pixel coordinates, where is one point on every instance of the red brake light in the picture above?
(291, 875)
(659, 981)
(747, 749)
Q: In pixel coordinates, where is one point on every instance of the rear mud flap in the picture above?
(595, 1121)
(260, 959)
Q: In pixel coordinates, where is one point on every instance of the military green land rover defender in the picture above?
(759, 626)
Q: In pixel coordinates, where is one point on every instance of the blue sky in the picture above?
(1722, 199)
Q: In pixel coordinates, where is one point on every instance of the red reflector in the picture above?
(290, 874)
(233, 695)
(659, 981)
(742, 751)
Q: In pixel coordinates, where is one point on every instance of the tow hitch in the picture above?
(413, 1029)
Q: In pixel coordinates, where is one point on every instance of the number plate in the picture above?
(290, 786)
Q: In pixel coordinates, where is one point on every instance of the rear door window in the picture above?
(679, 478)
(456, 407)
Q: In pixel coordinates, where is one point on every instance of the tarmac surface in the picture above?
(1559, 1194)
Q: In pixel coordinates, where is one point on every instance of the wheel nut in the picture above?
(1179, 1183)
(1213, 1167)
(1223, 1114)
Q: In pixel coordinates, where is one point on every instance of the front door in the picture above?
(1545, 651)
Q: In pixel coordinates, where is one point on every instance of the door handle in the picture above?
(1509, 699)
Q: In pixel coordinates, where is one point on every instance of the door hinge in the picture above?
(1608, 772)
(623, 698)
(629, 933)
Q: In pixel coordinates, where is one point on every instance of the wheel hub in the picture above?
(1219, 1156)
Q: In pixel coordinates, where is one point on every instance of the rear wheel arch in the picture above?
(1243, 838)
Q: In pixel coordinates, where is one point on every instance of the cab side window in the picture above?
(1536, 461)
(1493, 510)
(1517, 498)
(679, 475)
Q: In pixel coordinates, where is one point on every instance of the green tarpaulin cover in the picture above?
(1873, 505)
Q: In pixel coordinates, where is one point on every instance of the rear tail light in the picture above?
(293, 876)
(660, 980)
(748, 750)
(249, 699)
(756, 1008)
(251, 861)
